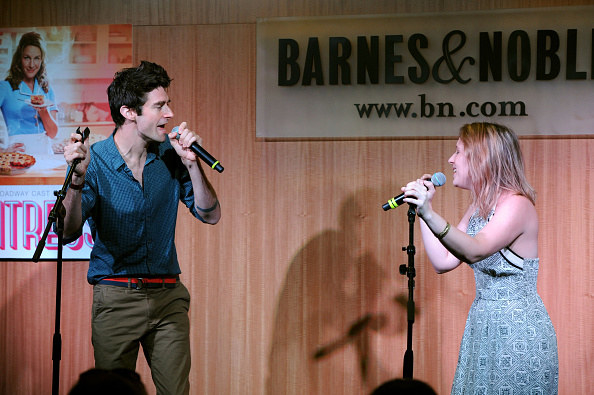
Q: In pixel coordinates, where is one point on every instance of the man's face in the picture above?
(155, 115)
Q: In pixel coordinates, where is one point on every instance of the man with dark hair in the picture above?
(404, 387)
(128, 187)
(112, 382)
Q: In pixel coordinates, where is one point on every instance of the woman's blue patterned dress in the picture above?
(509, 345)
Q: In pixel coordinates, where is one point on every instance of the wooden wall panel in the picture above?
(303, 254)
(192, 12)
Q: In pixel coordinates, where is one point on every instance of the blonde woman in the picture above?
(509, 342)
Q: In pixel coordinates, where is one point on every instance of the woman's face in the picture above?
(31, 61)
(460, 167)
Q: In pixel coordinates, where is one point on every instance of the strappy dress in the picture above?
(509, 344)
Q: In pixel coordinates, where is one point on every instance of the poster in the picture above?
(55, 84)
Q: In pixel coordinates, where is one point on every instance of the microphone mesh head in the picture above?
(176, 130)
(438, 179)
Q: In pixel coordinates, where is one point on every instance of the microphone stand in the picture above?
(410, 272)
(56, 216)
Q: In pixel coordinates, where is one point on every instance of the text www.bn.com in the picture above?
(428, 109)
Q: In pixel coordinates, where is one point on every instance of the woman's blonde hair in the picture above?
(495, 164)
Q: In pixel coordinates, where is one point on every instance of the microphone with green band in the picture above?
(438, 179)
(202, 154)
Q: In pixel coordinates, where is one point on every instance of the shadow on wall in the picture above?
(335, 299)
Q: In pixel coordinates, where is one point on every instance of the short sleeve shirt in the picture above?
(18, 113)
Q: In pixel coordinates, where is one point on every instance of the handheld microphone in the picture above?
(438, 179)
(202, 153)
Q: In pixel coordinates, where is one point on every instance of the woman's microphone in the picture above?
(438, 179)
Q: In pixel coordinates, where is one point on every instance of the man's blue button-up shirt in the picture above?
(133, 226)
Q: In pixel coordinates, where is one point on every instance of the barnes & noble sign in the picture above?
(426, 75)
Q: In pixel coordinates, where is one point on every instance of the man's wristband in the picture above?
(206, 210)
(77, 187)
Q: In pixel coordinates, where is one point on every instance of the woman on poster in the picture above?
(27, 101)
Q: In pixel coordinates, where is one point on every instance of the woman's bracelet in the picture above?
(444, 232)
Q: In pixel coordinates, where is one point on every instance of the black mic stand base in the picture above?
(409, 271)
